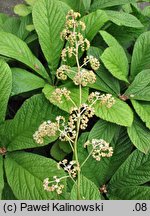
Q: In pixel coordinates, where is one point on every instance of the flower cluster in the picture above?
(107, 99)
(3, 151)
(53, 185)
(84, 77)
(60, 73)
(93, 62)
(47, 128)
(72, 34)
(72, 167)
(100, 148)
(58, 94)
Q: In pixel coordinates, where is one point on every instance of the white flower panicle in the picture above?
(95, 64)
(100, 148)
(84, 77)
(47, 128)
(53, 185)
(71, 167)
(105, 99)
(60, 73)
(58, 94)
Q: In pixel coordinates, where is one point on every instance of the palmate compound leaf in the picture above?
(88, 190)
(5, 88)
(142, 108)
(18, 133)
(140, 135)
(107, 3)
(139, 89)
(66, 105)
(13, 47)
(49, 20)
(141, 54)
(114, 58)
(1, 175)
(25, 173)
(135, 171)
(120, 113)
(24, 81)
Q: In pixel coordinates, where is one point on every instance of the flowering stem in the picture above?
(86, 159)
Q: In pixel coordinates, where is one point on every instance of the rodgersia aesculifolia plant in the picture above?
(69, 129)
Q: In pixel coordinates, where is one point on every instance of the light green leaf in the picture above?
(66, 105)
(120, 113)
(1, 176)
(24, 81)
(11, 25)
(49, 21)
(22, 10)
(57, 153)
(107, 3)
(13, 47)
(140, 135)
(104, 81)
(133, 172)
(142, 108)
(30, 2)
(114, 57)
(22, 32)
(141, 54)
(19, 132)
(94, 21)
(130, 193)
(5, 87)
(88, 190)
(139, 88)
(25, 173)
(122, 19)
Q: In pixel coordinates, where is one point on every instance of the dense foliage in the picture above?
(42, 82)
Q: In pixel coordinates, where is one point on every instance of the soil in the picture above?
(6, 6)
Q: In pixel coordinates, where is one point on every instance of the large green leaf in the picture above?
(25, 173)
(107, 3)
(24, 81)
(114, 57)
(115, 62)
(143, 110)
(19, 132)
(120, 113)
(141, 54)
(103, 130)
(130, 193)
(94, 21)
(49, 20)
(100, 172)
(13, 47)
(140, 135)
(140, 88)
(66, 105)
(1, 176)
(5, 88)
(104, 81)
(133, 172)
(88, 190)
(122, 19)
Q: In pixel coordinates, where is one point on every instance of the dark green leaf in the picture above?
(140, 135)
(5, 88)
(88, 190)
(25, 173)
(57, 153)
